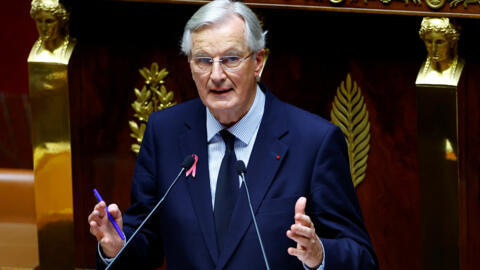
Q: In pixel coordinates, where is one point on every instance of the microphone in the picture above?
(241, 170)
(186, 164)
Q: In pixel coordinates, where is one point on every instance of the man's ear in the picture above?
(259, 59)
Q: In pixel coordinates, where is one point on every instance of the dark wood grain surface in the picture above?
(419, 8)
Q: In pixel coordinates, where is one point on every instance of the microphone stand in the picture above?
(241, 171)
(187, 163)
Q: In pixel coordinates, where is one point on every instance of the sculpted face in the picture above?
(438, 47)
(227, 94)
(48, 25)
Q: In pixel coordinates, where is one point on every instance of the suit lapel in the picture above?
(194, 141)
(265, 160)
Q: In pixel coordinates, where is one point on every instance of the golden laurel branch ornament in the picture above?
(153, 97)
(349, 112)
(454, 3)
(432, 4)
(385, 2)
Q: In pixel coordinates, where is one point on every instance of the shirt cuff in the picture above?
(322, 265)
(103, 257)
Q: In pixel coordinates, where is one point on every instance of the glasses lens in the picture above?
(230, 61)
(202, 63)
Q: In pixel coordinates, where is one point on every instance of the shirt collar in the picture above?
(245, 128)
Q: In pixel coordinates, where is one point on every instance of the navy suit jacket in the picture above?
(295, 154)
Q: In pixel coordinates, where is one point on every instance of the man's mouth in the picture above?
(221, 91)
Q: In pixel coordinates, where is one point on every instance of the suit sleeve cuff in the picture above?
(103, 257)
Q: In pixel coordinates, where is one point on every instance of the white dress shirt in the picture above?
(245, 132)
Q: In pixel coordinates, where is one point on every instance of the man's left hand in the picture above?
(309, 248)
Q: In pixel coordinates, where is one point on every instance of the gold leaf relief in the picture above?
(432, 4)
(349, 112)
(148, 100)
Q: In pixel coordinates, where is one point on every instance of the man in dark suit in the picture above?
(298, 174)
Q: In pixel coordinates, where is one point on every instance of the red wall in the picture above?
(17, 36)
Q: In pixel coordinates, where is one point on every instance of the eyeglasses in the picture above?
(229, 63)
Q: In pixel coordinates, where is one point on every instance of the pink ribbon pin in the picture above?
(193, 169)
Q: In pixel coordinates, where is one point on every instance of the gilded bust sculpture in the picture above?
(442, 66)
(54, 43)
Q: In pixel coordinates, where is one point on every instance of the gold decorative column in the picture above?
(436, 84)
(48, 82)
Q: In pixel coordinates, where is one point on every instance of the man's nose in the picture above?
(218, 73)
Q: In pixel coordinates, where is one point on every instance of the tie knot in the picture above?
(228, 138)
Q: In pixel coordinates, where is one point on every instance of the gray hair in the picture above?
(218, 10)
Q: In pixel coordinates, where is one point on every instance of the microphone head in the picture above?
(188, 162)
(240, 167)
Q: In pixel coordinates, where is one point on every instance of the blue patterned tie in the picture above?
(227, 189)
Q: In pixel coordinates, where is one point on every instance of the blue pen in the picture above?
(112, 220)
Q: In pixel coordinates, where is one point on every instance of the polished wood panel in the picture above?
(311, 53)
(469, 143)
(15, 139)
(18, 35)
(472, 10)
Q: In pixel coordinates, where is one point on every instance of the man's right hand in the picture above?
(103, 230)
